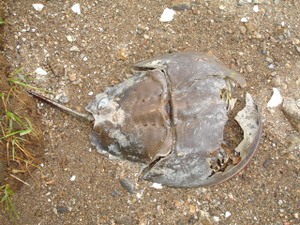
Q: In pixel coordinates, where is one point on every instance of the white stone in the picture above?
(73, 178)
(222, 7)
(71, 38)
(76, 8)
(74, 49)
(38, 7)
(139, 195)
(167, 15)
(216, 218)
(242, 2)
(40, 71)
(157, 186)
(244, 20)
(256, 8)
(227, 214)
(275, 100)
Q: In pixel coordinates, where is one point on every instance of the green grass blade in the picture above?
(2, 21)
(14, 133)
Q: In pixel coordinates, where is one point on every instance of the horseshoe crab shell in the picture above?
(184, 116)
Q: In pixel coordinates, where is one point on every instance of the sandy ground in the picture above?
(85, 53)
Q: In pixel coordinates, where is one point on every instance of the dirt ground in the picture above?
(85, 53)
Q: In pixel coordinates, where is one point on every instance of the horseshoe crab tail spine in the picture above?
(78, 115)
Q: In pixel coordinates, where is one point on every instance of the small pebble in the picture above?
(249, 69)
(73, 178)
(55, 211)
(244, 20)
(243, 29)
(296, 41)
(293, 142)
(141, 29)
(273, 74)
(115, 193)
(276, 81)
(72, 76)
(276, 2)
(71, 38)
(256, 8)
(222, 7)
(157, 186)
(267, 163)
(192, 208)
(40, 71)
(139, 195)
(74, 49)
(291, 110)
(181, 4)
(38, 7)
(227, 214)
(76, 8)
(242, 2)
(122, 54)
(216, 219)
(128, 185)
(167, 15)
(281, 210)
(275, 100)
(61, 209)
(269, 60)
(205, 218)
(63, 99)
(271, 66)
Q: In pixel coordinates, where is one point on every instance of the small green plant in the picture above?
(13, 131)
(2, 21)
(7, 203)
(18, 78)
(16, 135)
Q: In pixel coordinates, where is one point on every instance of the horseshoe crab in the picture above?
(184, 116)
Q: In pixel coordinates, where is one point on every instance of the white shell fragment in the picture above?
(256, 8)
(76, 8)
(244, 20)
(71, 38)
(40, 71)
(275, 100)
(167, 15)
(73, 178)
(38, 7)
(74, 49)
(227, 214)
(157, 186)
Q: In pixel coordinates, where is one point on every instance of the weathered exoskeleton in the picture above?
(184, 116)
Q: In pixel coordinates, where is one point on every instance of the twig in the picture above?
(19, 179)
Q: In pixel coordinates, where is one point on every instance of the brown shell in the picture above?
(171, 116)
